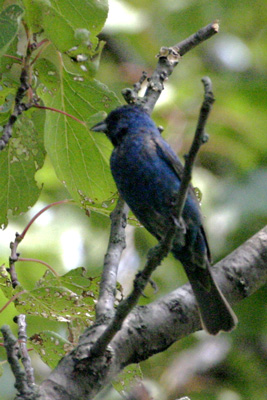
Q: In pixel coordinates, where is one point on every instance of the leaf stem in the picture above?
(60, 112)
(39, 262)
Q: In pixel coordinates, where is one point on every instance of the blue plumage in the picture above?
(147, 173)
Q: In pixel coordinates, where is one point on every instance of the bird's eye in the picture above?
(114, 118)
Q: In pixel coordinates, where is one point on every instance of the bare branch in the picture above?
(168, 59)
(154, 258)
(18, 109)
(107, 293)
(13, 356)
(197, 38)
(200, 138)
(26, 361)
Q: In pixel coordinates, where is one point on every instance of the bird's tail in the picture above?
(215, 312)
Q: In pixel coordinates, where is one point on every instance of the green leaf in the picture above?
(68, 23)
(50, 346)
(68, 298)
(77, 280)
(128, 378)
(5, 283)
(19, 163)
(10, 66)
(79, 156)
(9, 23)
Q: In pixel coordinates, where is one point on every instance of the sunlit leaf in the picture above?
(18, 164)
(50, 346)
(68, 23)
(79, 156)
(64, 299)
(9, 23)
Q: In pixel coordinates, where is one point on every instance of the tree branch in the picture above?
(200, 36)
(238, 275)
(144, 331)
(154, 259)
(26, 361)
(168, 59)
(200, 138)
(107, 292)
(11, 344)
(18, 109)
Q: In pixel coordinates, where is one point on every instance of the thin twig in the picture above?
(13, 356)
(26, 361)
(18, 109)
(168, 59)
(13, 57)
(105, 304)
(200, 36)
(154, 259)
(200, 138)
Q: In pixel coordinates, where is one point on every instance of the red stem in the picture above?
(41, 212)
(12, 299)
(60, 112)
(13, 57)
(40, 262)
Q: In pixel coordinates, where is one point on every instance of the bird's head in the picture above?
(122, 121)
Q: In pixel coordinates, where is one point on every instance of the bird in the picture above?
(148, 173)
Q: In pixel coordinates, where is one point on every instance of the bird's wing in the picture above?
(167, 154)
(207, 244)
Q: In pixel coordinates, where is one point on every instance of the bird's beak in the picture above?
(100, 127)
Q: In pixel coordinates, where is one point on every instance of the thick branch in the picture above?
(238, 275)
(144, 332)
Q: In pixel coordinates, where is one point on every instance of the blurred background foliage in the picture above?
(231, 173)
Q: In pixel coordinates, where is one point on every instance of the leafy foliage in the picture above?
(50, 346)
(62, 64)
(76, 293)
(19, 163)
(69, 298)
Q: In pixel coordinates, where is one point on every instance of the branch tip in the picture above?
(216, 25)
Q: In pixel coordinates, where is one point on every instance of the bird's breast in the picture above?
(144, 180)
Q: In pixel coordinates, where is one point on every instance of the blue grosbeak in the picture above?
(148, 174)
